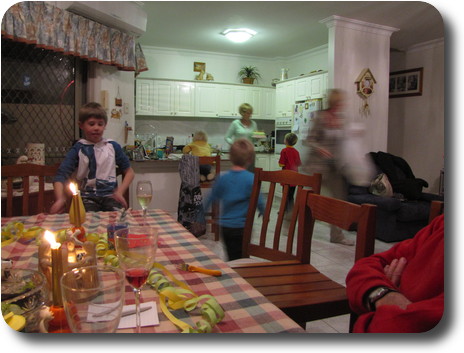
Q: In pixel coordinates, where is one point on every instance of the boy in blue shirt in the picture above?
(94, 159)
(233, 190)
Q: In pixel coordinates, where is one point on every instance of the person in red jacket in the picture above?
(290, 160)
(402, 289)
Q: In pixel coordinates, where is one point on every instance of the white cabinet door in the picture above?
(254, 99)
(226, 102)
(206, 101)
(302, 89)
(184, 98)
(268, 103)
(174, 98)
(316, 85)
(285, 99)
(144, 97)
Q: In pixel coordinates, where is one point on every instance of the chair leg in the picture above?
(353, 318)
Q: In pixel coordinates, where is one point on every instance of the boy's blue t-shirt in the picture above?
(95, 166)
(233, 190)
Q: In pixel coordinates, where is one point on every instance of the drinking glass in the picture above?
(93, 297)
(136, 248)
(144, 195)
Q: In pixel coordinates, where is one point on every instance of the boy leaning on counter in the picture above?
(93, 160)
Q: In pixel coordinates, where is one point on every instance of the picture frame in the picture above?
(406, 83)
(199, 67)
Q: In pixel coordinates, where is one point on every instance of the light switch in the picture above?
(126, 108)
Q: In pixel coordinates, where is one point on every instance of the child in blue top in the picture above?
(94, 159)
(233, 190)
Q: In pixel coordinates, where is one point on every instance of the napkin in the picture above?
(147, 318)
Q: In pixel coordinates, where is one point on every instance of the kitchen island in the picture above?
(165, 179)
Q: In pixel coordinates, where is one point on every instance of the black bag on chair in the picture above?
(190, 212)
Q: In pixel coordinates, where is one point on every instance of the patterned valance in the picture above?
(52, 28)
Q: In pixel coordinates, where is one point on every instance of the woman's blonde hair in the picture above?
(200, 136)
(242, 153)
(336, 96)
(245, 107)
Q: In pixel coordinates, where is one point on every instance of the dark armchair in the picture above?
(401, 216)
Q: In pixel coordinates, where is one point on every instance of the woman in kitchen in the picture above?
(243, 128)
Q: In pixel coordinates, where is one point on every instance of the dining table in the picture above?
(245, 309)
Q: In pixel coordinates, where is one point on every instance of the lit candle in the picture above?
(57, 267)
(77, 212)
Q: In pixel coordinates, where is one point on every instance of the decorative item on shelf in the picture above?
(283, 74)
(365, 87)
(209, 77)
(77, 212)
(118, 99)
(56, 258)
(249, 74)
(199, 67)
(200, 76)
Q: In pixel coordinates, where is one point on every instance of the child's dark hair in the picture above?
(242, 152)
(291, 139)
(92, 110)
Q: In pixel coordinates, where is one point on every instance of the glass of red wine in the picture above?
(136, 248)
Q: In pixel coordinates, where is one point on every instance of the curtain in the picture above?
(50, 27)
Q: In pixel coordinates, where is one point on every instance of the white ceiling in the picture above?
(284, 28)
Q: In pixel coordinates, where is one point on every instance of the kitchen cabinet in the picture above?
(206, 100)
(144, 97)
(285, 98)
(267, 104)
(230, 97)
(173, 98)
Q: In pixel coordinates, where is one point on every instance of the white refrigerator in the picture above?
(303, 115)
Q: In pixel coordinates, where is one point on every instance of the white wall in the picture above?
(417, 124)
(110, 79)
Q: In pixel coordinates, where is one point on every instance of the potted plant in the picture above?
(249, 74)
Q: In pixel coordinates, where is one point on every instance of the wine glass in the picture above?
(136, 248)
(93, 297)
(144, 195)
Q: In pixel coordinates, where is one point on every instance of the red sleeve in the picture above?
(283, 157)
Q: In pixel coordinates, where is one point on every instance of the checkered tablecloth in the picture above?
(246, 310)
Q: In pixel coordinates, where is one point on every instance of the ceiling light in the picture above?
(238, 35)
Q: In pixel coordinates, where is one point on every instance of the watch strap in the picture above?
(375, 295)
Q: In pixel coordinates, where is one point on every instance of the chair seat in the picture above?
(295, 287)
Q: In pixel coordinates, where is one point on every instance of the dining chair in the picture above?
(436, 208)
(213, 215)
(24, 171)
(295, 285)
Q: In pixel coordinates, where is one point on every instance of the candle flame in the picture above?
(73, 188)
(50, 237)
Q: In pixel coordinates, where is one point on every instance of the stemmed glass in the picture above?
(136, 248)
(144, 195)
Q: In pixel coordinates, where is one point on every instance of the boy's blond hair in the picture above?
(92, 110)
(200, 136)
(291, 139)
(242, 153)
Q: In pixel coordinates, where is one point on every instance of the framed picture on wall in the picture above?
(406, 83)
(199, 67)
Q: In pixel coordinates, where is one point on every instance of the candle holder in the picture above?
(77, 212)
(57, 258)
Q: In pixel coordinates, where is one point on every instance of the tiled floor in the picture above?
(334, 260)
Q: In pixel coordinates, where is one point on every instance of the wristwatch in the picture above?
(376, 294)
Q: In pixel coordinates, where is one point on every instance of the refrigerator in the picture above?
(303, 114)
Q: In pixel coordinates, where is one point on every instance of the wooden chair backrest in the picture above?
(216, 164)
(264, 249)
(343, 214)
(436, 208)
(25, 171)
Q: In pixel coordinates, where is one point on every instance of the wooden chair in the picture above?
(25, 171)
(211, 217)
(294, 285)
(436, 208)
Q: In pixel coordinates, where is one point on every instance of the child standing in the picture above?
(94, 159)
(290, 160)
(200, 147)
(233, 190)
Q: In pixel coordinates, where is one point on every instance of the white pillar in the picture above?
(353, 46)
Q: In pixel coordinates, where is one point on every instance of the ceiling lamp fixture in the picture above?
(239, 35)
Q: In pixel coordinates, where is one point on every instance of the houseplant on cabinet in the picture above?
(249, 74)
